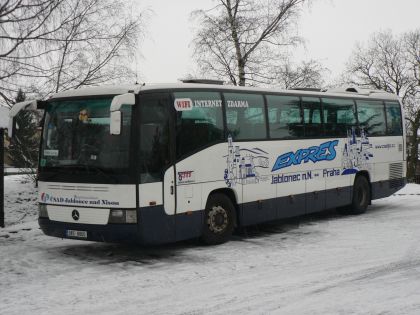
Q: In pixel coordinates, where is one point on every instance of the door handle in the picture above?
(172, 190)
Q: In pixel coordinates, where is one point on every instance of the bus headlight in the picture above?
(42, 211)
(122, 216)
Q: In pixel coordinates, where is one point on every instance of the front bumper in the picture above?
(153, 227)
(113, 233)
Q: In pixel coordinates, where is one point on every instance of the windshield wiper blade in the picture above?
(100, 171)
(58, 170)
(82, 167)
(89, 168)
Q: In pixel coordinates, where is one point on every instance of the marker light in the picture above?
(42, 211)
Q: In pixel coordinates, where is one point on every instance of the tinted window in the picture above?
(154, 137)
(371, 117)
(284, 117)
(201, 124)
(311, 107)
(245, 116)
(393, 119)
(339, 116)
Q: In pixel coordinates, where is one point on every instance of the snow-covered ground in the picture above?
(318, 264)
(20, 200)
(15, 170)
(4, 116)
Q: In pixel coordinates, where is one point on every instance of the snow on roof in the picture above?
(99, 90)
(121, 89)
(4, 117)
(379, 94)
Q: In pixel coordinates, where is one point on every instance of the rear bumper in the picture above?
(386, 188)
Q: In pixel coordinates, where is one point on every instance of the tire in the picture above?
(361, 197)
(219, 220)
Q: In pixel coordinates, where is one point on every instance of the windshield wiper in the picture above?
(100, 171)
(58, 170)
(62, 169)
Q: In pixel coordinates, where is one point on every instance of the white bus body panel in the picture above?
(151, 194)
(207, 169)
(87, 195)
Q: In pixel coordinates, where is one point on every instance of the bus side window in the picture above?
(339, 116)
(311, 107)
(200, 126)
(245, 116)
(371, 116)
(393, 119)
(154, 155)
(284, 115)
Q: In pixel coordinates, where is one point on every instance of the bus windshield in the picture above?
(76, 135)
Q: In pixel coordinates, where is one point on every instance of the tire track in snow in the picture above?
(372, 273)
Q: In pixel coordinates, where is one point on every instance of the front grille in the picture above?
(77, 188)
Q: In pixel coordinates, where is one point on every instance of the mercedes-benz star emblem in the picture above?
(75, 215)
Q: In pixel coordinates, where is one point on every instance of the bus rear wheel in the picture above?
(361, 197)
(219, 220)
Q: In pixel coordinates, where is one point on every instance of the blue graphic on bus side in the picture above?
(356, 153)
(324, 152)
(243, 165)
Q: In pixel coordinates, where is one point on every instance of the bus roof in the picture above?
(350, 92)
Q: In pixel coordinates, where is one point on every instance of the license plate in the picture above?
(78, 234)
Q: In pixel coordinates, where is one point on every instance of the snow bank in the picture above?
(409, 189)
(4, 117)
(20, 200)
(16, 171)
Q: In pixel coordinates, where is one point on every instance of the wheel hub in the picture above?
(217, 219)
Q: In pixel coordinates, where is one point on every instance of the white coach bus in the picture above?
(163, 163)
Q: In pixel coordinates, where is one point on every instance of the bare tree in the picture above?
(392, 63)
(412, 45)
(95, 47)
(53, 45)
(307, 74)
(22, 25)
(239, 40)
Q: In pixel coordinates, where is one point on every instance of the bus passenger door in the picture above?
(156, 166)
(196, 127)
(169, 194)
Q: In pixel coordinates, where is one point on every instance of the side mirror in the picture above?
(115, 118)
(115, 124)
(26, 105)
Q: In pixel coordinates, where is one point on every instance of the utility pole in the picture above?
(2, 177)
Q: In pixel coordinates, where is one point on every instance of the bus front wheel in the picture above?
(219, 219)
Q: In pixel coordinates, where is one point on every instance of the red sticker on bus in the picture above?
(183, 104)
(186, 177)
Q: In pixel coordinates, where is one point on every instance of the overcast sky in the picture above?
(330, 28)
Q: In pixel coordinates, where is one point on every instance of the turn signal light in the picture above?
(42, 211)
(122, 216)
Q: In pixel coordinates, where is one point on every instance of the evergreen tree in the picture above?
(23, 149)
